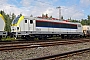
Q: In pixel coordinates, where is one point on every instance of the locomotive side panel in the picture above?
(2, 22)
(2, 26)
(28, 24)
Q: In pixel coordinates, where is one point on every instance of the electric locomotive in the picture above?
(2, 26)
(33, 27)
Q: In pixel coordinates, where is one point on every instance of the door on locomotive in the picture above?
(29, 25)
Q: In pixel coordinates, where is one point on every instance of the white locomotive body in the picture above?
(2, 26)
(43, 28)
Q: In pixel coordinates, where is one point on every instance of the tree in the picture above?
(13, 16)
(88, 20)
(43, 15)
(62, 17)
(84, 21)
(88, 17)
(20, 15)
(46, 16)
(31, 15)
(8, 19)
(50, 17)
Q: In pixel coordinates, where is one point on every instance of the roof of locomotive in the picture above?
(18, 19)
(48, 20)
(2, 17)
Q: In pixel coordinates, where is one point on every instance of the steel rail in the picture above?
(61, 54)
(35, 45)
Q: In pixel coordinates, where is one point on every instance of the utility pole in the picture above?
(59, 12)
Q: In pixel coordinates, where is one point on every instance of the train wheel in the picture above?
(81, 36)
(0, 38)
(23, 37)
(29, 38)
(40, 38)
(62, 36)
(68, 36)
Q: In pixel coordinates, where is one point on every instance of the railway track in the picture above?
(62, 55)
(23, 45)
(37, 41)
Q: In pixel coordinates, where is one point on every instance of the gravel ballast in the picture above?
(22, 54)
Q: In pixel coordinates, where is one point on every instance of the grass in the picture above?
(8, 39)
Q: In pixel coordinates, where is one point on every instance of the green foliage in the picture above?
(31, 15)
(8, 19)
(8, 39)
(86, 21)
(74, 21)
(20, 14)
(61, 17)
(82, 21)
(50, 16)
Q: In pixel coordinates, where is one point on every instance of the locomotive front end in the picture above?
(14, 26)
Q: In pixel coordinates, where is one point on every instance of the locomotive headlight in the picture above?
(13, 29)
(17, 28)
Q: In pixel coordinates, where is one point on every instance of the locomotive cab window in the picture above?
(17, 28)
(25, 21)
(31, 21)
(79, 25)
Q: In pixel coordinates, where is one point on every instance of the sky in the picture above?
(74, 9)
